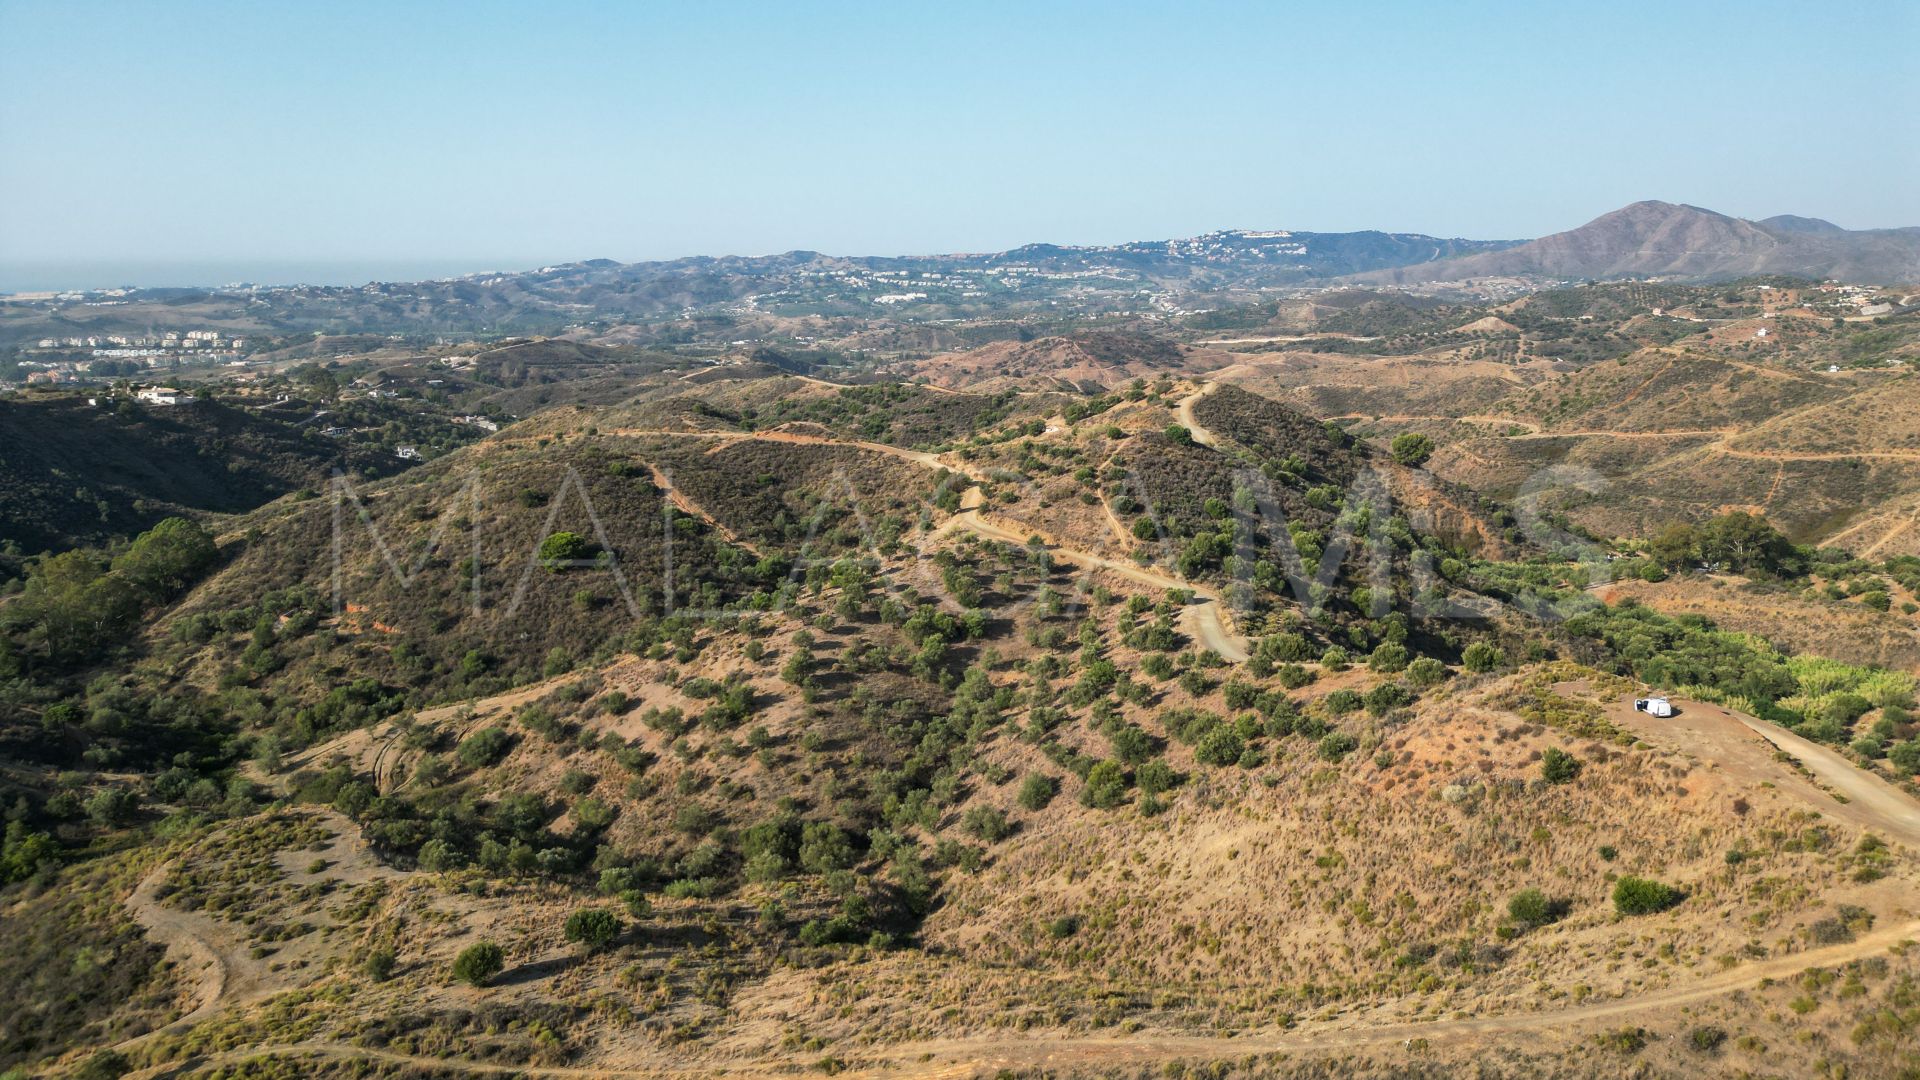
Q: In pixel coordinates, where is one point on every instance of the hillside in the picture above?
(72, 473)
(764, 724)
(1658, 239)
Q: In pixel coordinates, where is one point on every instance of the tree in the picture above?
(1412, 448)
(1748, 543)
(478, 963)
(593, 928)
(1673, 546)
(1644, 896)
(167, 557)
(1179, 434)
(1559, 767)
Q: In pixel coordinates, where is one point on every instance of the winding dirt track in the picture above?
(1721, 734)
(1202, 620)
(1870, 801)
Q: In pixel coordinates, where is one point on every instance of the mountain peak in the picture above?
(1652, 238)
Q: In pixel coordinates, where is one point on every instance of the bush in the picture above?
(379, 964)
(1482, 657)
(1219, 747)
(1643, 896)
(1530, 908)
(987, 823)
(1905, 756)
(1426, 671)
(478, 963)
(1389, 659)
(593, 928)
(1559, 767)
(564, 549)
(1706, 1040)
(484, 747)
(1335, 745)
(1036, 791)
(103, 1065)
(1107, 785)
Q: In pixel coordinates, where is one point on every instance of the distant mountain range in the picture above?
(1659, 239)
(1646, 239)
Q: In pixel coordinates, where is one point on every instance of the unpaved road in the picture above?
(1201, 620)
(1194, 427)
(1738, 743)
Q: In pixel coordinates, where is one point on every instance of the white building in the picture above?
(164, 395)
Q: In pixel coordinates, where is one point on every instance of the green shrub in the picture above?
(1390, 658)
(593, 928)
(1482, 657)
(1559, 767)
(1426, 671)
(1107, 785)
(987, 823)
(1036, 791)
(1336, 745)
(1530, 908)
(478, 963)
(1219, 747)
(484, 747)
(1706, 1040)
(1644, 896)
(379, 964)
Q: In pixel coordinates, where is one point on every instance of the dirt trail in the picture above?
(685, 504)
(1725, 738)
(1507, 421)
(1185, 414)
(1202, 620)
(973, 1056)
(225, 970)
(1899, 529)
(180, 933)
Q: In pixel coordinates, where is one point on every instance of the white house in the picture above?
(164, 395)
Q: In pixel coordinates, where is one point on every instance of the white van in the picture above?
(1654, 706)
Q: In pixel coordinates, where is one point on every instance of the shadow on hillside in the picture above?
(537, 970)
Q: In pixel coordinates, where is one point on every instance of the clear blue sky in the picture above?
(518, 134)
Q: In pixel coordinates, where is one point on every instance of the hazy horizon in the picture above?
(207, 135)
(56, 275)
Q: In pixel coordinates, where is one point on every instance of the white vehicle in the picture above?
(1654, 706)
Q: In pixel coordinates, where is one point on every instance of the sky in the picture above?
(358, 140)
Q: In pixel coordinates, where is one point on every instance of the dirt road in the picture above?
(1202, 619)
(1185, 415)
